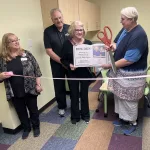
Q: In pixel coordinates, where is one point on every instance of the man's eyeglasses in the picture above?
(78, 30)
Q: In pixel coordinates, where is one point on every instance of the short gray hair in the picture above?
(130, 12)
(53, 10)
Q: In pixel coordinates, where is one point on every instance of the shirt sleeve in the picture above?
(89, 42)
(47, 40)
(1, 65)
(133, 55)
(136, 48)
(37, 70)
(64, 59)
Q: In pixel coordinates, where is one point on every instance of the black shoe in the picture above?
(25, 134)
(36, 132)
(130, 130)
(74, 121)
(86, 120)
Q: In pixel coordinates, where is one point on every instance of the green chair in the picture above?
(103, 91)
(147, 88)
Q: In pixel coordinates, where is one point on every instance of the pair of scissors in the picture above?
(105, 36)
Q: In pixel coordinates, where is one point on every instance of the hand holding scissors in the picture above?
(105, 36)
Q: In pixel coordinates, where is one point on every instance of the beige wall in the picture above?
(8, 115)
(23, 17)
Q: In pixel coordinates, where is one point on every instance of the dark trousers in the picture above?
(21, 105)
(75, 90)
(59, 85)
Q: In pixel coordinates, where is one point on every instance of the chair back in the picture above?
(104, 74)
(148, 78)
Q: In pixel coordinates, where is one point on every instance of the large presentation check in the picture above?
(92, 56)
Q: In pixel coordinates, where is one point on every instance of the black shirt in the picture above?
(67, 59)
(67, 52)
(17, 83)
(54, 39)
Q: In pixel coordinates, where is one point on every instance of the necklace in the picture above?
(132, 27)
(77, 43)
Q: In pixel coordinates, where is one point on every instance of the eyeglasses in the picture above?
(79, 30)
(14, 41)
(122, 19)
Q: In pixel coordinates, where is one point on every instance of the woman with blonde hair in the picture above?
(77, 33)
(21, 91)
(130, 53)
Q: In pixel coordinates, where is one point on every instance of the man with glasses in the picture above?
(54, 37)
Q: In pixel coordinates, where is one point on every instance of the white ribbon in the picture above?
(115, 78)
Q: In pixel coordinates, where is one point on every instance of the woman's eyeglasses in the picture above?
(14, 41)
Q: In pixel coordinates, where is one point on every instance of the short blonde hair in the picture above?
(130, 12)
(73, 27)
(5, 52)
